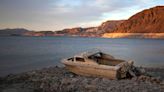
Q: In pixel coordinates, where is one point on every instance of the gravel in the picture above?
(59, 79)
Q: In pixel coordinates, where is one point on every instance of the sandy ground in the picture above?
(57, 79)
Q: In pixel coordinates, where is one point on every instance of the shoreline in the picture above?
(134, 35)
(108, 35)
(59, 79)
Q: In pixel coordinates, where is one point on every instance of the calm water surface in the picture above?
(19, 54)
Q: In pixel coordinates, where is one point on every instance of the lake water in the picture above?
(20, 54)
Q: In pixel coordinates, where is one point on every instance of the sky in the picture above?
(45, 15)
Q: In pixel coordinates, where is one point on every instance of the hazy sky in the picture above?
(59, 14)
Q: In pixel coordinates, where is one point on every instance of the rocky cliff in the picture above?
(147, 21)
(109, 26)
(145, 24)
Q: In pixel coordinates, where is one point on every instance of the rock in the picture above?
(105, 80)
(145, 90)
(162, 83)
(109, 89)
(10, 90)
(142, 78)
(42, 85)
(91, 87)
(54, 87)
(74, 80)
(135, 84)
(85, 81)
(65, 81)
(134, 78)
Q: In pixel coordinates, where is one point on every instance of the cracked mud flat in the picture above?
(57, 79)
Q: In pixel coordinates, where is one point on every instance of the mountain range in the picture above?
(78, 31)
(145, 24)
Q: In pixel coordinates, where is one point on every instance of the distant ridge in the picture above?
(91, 31)
(13, 32)
(78, 31)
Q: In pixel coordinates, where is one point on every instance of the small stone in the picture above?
(91, 87)
(85, 81)
(10, 90)
(145, 90)
(74, 80)
(95, 81)
(42, 85)
(109, 89)
(162, 83)
(65, 81)
(134, 79)
(135, 84)
(105, 79)
(142, 78)
(71, 75)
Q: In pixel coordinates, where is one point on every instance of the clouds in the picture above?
(59, 14)
(85, 10)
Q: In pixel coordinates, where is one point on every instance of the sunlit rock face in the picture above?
(109, 26)
(147, 21)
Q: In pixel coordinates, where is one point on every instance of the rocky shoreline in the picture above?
(59, 79)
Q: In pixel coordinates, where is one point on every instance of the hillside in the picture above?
(13, 32)
(145, 24)
(91, 31)
(147, 21)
